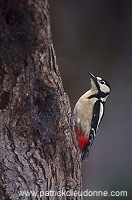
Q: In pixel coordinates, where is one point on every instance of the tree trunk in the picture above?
(38, 147)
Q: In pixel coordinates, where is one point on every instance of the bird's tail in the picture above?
(85, 152)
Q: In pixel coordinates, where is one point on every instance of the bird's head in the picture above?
(101, 86)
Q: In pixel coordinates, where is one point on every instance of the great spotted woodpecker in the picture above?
(88, 113)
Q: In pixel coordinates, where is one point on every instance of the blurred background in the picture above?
(96, 36)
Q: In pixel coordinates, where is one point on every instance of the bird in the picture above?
(88, 113)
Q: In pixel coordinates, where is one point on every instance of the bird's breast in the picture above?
(83, 113)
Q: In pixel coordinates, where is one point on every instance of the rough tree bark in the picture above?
(38, 148)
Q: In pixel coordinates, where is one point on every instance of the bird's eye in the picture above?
(102, 82)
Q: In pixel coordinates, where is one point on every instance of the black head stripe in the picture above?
(103, 95)
(99, 95)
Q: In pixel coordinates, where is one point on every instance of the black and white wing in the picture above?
(98, 112)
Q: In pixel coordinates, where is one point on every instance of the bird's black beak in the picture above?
(92, 77)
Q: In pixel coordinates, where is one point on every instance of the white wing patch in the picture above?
(100, 113)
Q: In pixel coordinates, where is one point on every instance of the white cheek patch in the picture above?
(104, 88)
